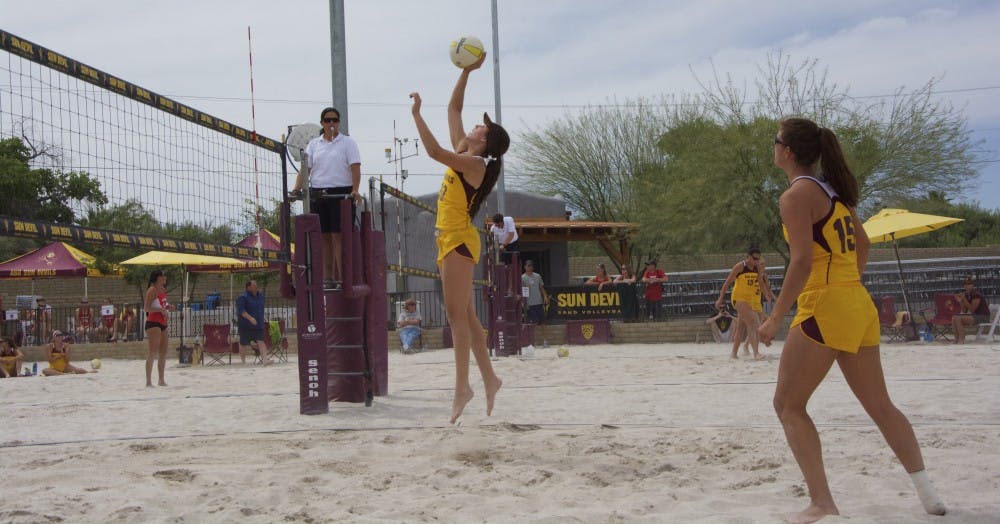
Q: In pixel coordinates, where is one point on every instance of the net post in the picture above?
(311, 321)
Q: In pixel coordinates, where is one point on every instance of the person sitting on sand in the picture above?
(10, 358)
(722, 325)
(58, 354)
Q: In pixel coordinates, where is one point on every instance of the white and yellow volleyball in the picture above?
(465, 51)
(563, 352)
(96, 363)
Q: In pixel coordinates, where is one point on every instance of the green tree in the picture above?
(42, 193)
(979, 227)
(39, 193)
(130, 216)
(709, 184)
(592, 158)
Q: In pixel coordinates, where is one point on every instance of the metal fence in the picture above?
(34, 327)
(693, 294)
(689, 294)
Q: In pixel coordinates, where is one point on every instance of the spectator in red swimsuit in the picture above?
(600, 278)
(84, 321)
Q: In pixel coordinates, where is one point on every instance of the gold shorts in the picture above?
(838, 316)
(58, 363)
(10, 364)
(448, 240)
(753, 300)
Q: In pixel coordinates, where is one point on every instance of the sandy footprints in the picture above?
(144, 447)
(176, 475)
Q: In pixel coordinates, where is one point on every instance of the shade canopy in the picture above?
(890, 224)
(57, 259)
(166, 258)
(268, 241)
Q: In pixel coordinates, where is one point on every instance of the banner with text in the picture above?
(583, 302)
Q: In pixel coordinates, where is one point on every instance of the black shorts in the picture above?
(249, 335)
(327, 208)
(150, 325)
(536, 314)
(508, 250)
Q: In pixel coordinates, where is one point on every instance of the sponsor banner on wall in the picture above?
(583, 302)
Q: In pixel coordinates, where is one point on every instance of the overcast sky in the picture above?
(556, 56)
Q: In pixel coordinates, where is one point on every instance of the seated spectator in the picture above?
(722, 325)
(626, 277)
(84, 321)
(975, 310)
(58, 353)
(10, 358)
(600, 279)
(126, 324)
(106, 328)
(408, 324)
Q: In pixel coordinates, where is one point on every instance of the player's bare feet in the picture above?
(459, 403)
(811, 514)
(491, 394)
(149, 384)
(758, 356)
(162, 383)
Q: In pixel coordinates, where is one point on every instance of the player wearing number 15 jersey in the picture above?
(836, 320)
(834, 308)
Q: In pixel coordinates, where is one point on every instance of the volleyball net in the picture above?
(88, 157)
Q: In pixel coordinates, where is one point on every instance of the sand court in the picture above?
(615, 433)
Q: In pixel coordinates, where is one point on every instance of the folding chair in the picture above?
(217, 344)
(989, 329)
(275, 342)
(890, 322)
(945, 307)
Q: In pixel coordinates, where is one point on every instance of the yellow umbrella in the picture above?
(893, 224)
(890, 225)
(166, 258)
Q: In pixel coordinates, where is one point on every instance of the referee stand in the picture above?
(503, 301)
(342, 335)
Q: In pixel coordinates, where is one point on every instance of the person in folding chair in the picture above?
(408, 324)
(250, 321)
(975, 310)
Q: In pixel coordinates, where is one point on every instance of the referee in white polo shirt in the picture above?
(335, 169)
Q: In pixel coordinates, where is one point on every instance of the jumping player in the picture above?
(472, 171)
(836, 320)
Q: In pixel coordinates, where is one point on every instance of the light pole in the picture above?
(396, 156)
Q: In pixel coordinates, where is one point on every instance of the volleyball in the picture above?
(466, 51)
(563, 352)
(96, 363)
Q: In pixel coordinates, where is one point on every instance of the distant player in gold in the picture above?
(473, 169)
(746, 278)
(836, 320)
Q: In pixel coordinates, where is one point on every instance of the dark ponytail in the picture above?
(497, 142)
(493, 167)
(813, 144)
(835, 168)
